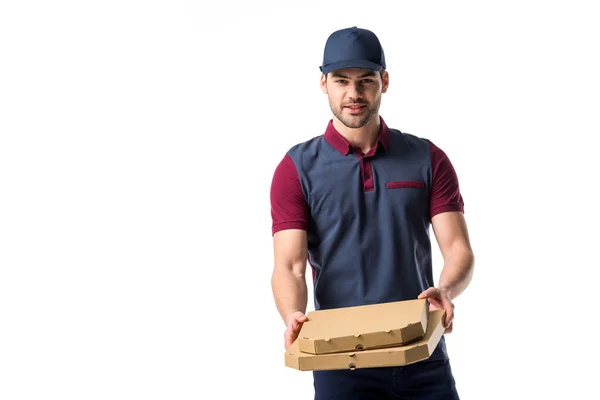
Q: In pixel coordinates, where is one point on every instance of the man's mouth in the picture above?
(355, 108)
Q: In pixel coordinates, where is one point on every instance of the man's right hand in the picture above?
(294, 323)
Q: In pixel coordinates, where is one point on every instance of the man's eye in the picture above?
(367, 80)
(340, 81)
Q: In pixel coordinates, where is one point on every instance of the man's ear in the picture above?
(385, 82)
(324, 83)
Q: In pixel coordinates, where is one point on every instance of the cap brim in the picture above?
(350, 64)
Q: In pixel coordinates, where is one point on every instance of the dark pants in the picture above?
(426, 380)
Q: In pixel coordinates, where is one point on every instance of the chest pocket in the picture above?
(407, 195)
(405, 185)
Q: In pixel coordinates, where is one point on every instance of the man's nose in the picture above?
(353, 91)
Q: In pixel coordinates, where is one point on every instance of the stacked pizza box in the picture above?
(376, 335)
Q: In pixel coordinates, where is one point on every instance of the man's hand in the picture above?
(438, 300)
(294, 324)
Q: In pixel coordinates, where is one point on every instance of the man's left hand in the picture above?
(438, 300)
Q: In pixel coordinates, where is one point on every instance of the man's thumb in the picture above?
(301, 318)
(426, 293)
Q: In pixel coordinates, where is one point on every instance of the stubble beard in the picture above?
(355, 121)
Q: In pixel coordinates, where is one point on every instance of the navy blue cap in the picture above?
(352, 48)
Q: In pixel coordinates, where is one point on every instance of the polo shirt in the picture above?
(367, 216)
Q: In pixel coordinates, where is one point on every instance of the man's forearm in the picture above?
(290, 292)
(457, 272)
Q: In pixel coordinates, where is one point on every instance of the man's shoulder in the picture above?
(409, 141)
(306, 145)
(407, 136)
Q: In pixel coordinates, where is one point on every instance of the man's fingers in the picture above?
(449, 307)
(448, 321)
(431, 292)
(438, 301)
(449, 316)
(291, 332)
(297, 317)
(297, 323)
(290, 336)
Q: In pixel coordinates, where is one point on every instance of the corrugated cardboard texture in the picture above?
(386, 357)
(363, 327)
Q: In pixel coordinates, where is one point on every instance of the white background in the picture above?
(138, 142)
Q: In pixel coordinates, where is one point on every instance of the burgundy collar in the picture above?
(342, 145)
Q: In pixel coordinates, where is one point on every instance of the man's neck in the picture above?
(364, 138)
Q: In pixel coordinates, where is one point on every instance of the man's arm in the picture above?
(290, 215)
(451, 233)
(288, 280)
(446, 207)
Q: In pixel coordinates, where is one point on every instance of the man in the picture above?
(357, 203)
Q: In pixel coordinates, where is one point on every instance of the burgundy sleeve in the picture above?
(288, 206)
(445, 191)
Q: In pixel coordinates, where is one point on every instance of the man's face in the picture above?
(354, 94)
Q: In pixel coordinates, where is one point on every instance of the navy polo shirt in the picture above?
(367, 216)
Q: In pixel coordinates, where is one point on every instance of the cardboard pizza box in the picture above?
(363, 327)
(383, 357)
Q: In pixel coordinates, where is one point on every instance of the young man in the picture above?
(357, 203)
